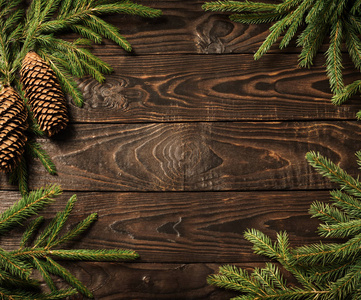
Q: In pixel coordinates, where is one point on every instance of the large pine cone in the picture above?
(45, 96)
(13, 124)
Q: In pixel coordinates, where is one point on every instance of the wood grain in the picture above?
(184, 28)
(151, 281)
(196, 156)
(154, 281)
(187, 227)
(188, 143)
(183, 88)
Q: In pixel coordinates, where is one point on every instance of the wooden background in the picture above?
(189, 143)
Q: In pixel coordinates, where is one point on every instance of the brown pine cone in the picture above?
(13, 124)
(45, 96)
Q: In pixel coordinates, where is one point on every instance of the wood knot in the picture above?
(212, 35)
(110, 95)
(172, 157)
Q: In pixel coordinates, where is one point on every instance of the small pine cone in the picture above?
(13, 124)
(45, 96)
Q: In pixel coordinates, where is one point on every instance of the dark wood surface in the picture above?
(188, 143)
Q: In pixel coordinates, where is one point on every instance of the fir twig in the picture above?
(322, 270)
(16, 266)
(337, 19)
(28, 205)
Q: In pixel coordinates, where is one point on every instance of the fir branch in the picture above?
(21, 294)
(358, 156)
(126, 7)
(353, 44)
(341, 230)
(56, 269)
(37, 151)
(30, 231)
(262, 244)
(65, 7)
(338, 19)
(108, 31)
(323, 270)
(315, 11)
(95, 255)
(328, 273)
(346, 284)
(27, 206)
(297, 19)
(9, 8)
(327, 213)
(19, 176)
(347, 92)
(288, 5)
(311, 39)
(41, 241)
(259, 285)
(87, 33)
(276, 31)
(68, 18)
(27, 253)
(60, 221)
(41, 267)
(76, 231)
(334, 58)
(231, 277)
(349, 204)
(238, 7)
(49, 9)
(15, 282)
(57, 295)
(356, 7)
(16, 266)
(67, 82)
(256, 18)
(275, 275)
(333, 172)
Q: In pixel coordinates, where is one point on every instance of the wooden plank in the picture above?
(196, 156)
(185, 28)
(182, 88)
(186, 227)
(152, 281)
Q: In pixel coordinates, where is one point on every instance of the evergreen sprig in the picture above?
(41, 252)
(322, 270)
(38, 27)
(312, 21)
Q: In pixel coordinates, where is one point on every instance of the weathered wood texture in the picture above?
(181, 237)
(189, 143)
(178, 88)
(187, 227)
(185, 28)
(150, 281)
(154, 281)
(197, 156)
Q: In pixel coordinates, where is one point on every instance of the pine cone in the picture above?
(45, 96)
(13, 124)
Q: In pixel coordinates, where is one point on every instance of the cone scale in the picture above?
(46, 99)
(13, 124)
